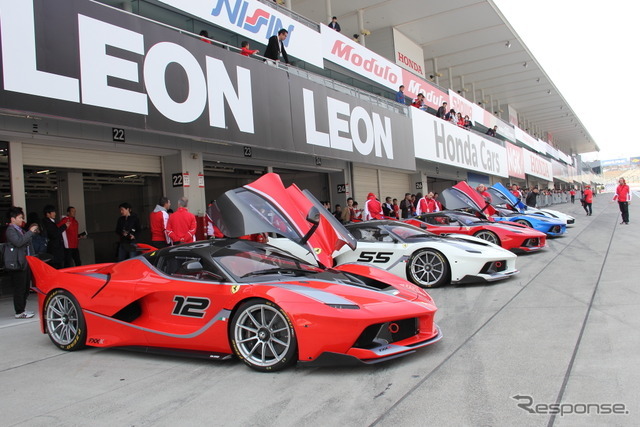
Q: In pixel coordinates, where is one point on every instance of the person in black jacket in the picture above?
(442, 111)
(532, 197)
(18, 246)
(334, 24)
(127, 226)
(53, 233)
(275, 47)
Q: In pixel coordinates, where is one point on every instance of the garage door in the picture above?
(382, 182)
(73, 158)
(365, 181)
(394, 185)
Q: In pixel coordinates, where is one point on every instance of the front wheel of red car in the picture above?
(489, 236)
(262, 336)
(64, 320)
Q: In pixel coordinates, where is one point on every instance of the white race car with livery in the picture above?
(424, 258)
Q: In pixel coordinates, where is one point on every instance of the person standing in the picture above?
(406, 206)
(348, 213)
(623, 197)
(442, 111)
(126, 228)
(181, 227)
(70, 238)
(438, 203)
(482, 190)
(387, 207)
(372, 208)
(532, 197)
(426, 204)
(400, 95)
(246, 49)
(396, 209)
(275, 47)
(53, 232)
(158, 222)
(516, 191)
(334, 24)
(18, 246)
(587, 196)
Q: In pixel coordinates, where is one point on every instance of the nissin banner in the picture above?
(256, 21)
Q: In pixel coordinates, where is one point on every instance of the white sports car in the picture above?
(550, 213)
(424, 258)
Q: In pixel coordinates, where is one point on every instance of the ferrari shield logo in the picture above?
(318, 251)
(235, 289)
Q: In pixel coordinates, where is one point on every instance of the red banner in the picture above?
(515, 160)
(413, 85)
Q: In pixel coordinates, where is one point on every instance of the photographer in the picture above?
(126, 228)
(17, 247)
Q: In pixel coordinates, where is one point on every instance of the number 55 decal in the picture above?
(190, 306)
(377, 257)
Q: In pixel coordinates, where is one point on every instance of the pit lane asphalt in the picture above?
(565, 330)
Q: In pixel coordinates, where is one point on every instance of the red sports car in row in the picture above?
(511, 236)
(232, 296)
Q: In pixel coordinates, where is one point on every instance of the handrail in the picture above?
(291, 14)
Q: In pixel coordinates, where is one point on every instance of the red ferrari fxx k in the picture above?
(511, 236)
(231, 296)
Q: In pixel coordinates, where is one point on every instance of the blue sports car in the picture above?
(509, 208)
(462, 197)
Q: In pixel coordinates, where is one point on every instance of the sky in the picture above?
(590, 51)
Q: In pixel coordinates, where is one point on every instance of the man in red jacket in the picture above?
(181, 227)
(427, 204)
(623, 196)
(70, 238)
(587, 196)
(372, 208)
(158, 222)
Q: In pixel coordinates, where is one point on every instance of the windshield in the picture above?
(247, 264)
(467, 220)
(406, 231)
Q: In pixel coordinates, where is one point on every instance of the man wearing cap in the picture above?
(372, 208)
(587, 196)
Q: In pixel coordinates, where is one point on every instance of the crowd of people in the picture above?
(410, 206)
(449, 115)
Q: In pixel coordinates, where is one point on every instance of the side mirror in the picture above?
(192, 266)
(313, 216)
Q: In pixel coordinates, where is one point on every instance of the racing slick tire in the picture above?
(428, 268)
(523, 222)
(262, 336)
(64, 320)
(489, 236)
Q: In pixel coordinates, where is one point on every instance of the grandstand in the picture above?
(614, 170)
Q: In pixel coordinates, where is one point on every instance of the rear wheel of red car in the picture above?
(523, 222)
(428, 268)
(489, 236)
(262, 336)
(64, 320)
